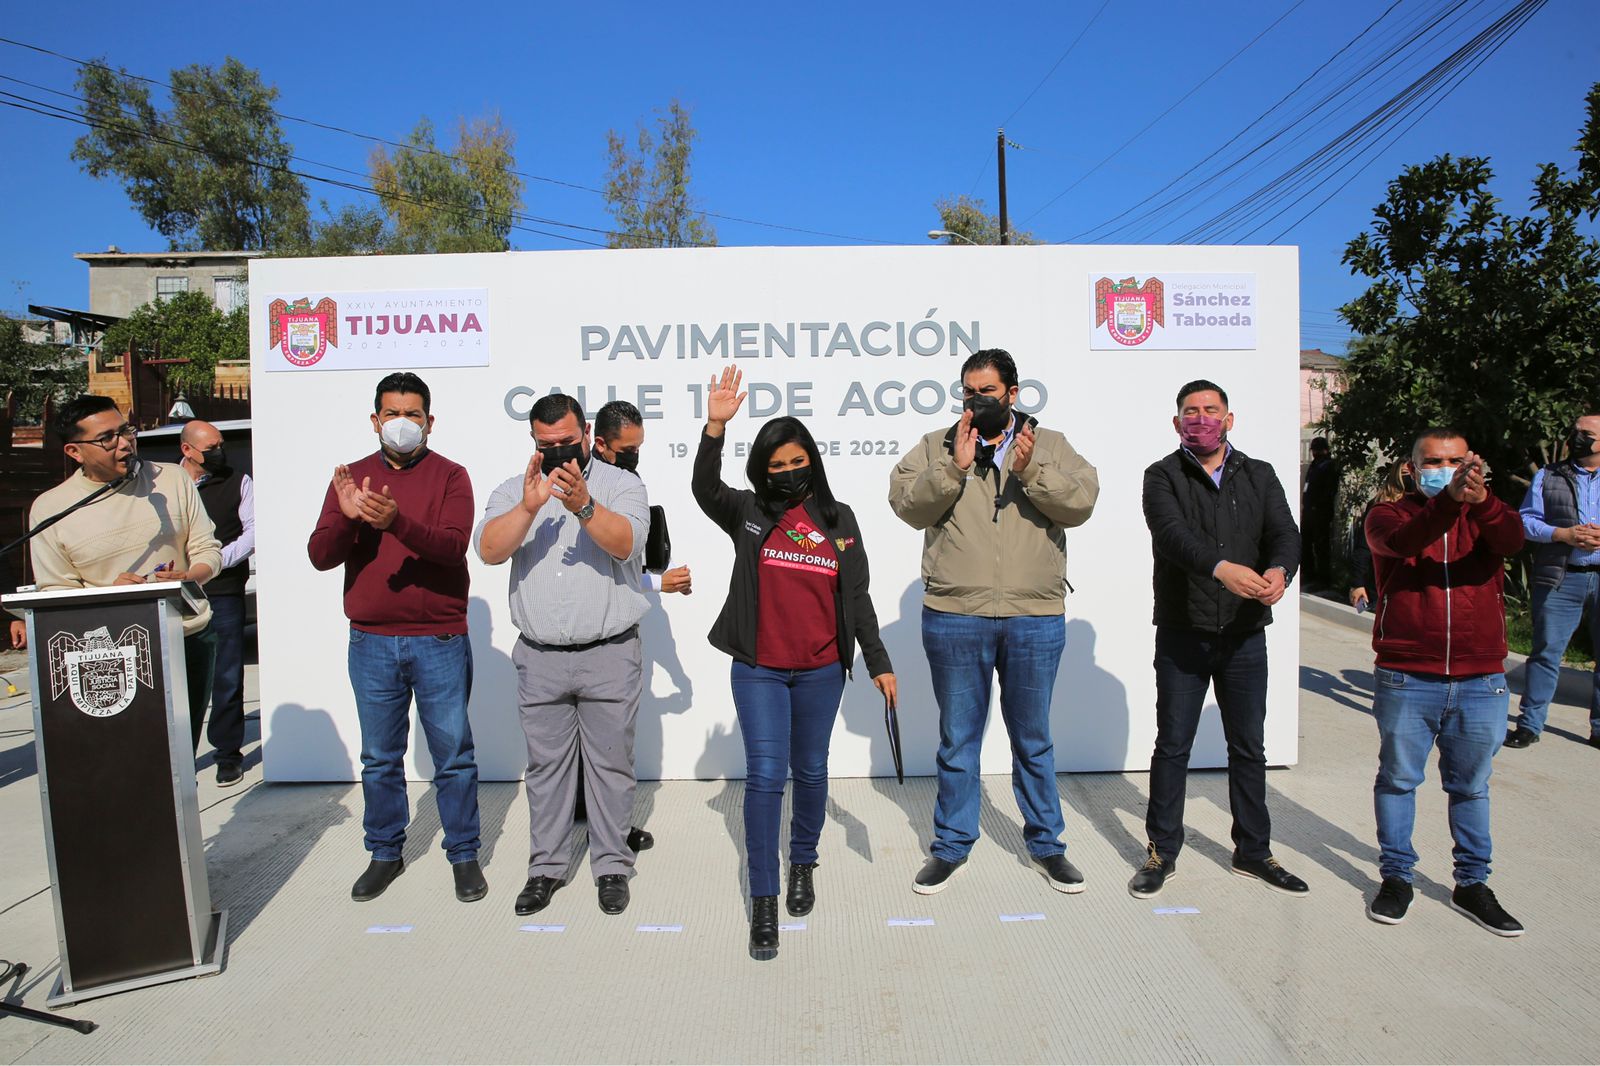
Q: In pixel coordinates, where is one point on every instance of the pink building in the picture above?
(1321, 375)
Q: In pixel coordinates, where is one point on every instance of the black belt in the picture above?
(1590, 569)
(627, 634)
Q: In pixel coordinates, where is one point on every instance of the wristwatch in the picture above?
(585, 512)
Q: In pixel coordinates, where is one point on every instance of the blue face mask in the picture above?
(1432, 480)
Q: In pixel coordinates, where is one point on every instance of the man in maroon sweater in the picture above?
(1439, 632)
(399, 521)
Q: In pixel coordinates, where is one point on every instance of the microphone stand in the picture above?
(110, 486)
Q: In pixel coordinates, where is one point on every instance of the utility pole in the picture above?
(1000, 148)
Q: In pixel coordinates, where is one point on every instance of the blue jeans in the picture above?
(1466, 716)
(385, 673)
(1556, 614)
(964, 654)
(786, 717)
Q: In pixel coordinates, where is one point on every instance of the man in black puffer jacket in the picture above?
(1225, 547)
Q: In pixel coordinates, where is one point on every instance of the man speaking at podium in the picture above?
(150, 527)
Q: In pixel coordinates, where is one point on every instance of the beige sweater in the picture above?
(155, 518)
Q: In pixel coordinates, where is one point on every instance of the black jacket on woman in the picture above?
(739, 513)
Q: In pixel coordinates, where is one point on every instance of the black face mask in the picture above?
(625, 460)
(214, 460)
(1580, 444)
(990, 417)
(787, 485)
(559, 455)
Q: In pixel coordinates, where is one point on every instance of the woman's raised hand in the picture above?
(724, 398)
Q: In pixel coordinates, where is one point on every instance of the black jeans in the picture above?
(1186, 663)
(226, 728)
(199, 659)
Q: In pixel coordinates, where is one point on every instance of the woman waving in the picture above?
(797, 606)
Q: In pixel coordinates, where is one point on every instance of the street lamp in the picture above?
(181, 411)
(936, 234)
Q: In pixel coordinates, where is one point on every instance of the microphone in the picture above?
(134, 463)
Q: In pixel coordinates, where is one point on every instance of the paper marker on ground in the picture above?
(910, 921)
(1176, 910)
(541, 928)
(659, 929)
(1022, 917)
(388, 928)
(792, 927)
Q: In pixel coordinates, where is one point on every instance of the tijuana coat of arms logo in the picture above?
(303, 332)
(101, 676)
(1129, 311)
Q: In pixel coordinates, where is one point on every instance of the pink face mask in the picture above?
(1202, 434)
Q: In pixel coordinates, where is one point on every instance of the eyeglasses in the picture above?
(108, 439)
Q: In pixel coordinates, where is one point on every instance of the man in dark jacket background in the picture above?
(1440, 637)
(1225, 547)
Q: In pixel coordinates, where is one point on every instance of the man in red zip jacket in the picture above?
(1439, 632)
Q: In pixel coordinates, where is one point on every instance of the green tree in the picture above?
(186, 326)
(209, 173)
(966, 216)
(353, 229)
(647, 187)
(33, 372)
(1475, 317)
(464, 199)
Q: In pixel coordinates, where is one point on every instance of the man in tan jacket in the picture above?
(151, 527)
(994, 495)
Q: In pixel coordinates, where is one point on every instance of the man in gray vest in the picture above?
(229, 498)
(1561, 516)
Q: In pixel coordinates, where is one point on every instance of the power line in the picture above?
(52, 111)
(1363, 136)
(181, 128)
(1051, 72)
(374, 138)
(1192, 171)
(1198, 85)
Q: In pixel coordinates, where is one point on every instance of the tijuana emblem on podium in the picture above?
(102, 676)
(303, 332)
(1129, 311)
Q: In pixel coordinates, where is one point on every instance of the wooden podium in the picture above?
(117, 786)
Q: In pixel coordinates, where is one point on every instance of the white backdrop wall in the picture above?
(558, 322)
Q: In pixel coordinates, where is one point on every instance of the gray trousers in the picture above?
(572, 700)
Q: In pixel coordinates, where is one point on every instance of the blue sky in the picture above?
(850, 119)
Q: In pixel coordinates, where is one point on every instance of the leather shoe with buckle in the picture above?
(470, 885)
(613, 893)
(535, 895)
(379, 876)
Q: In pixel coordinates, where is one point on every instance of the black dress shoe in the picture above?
(802, 893)
(1062, 875)
(1521, 738)
(935, 875)
(764, 928)
(470, 885)
(640, 840)
(380, 874)
(535, 895)
(613, 893)
(1152, 876)
(1269, 871)
(229, 774)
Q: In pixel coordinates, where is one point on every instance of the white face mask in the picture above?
(401, 434)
